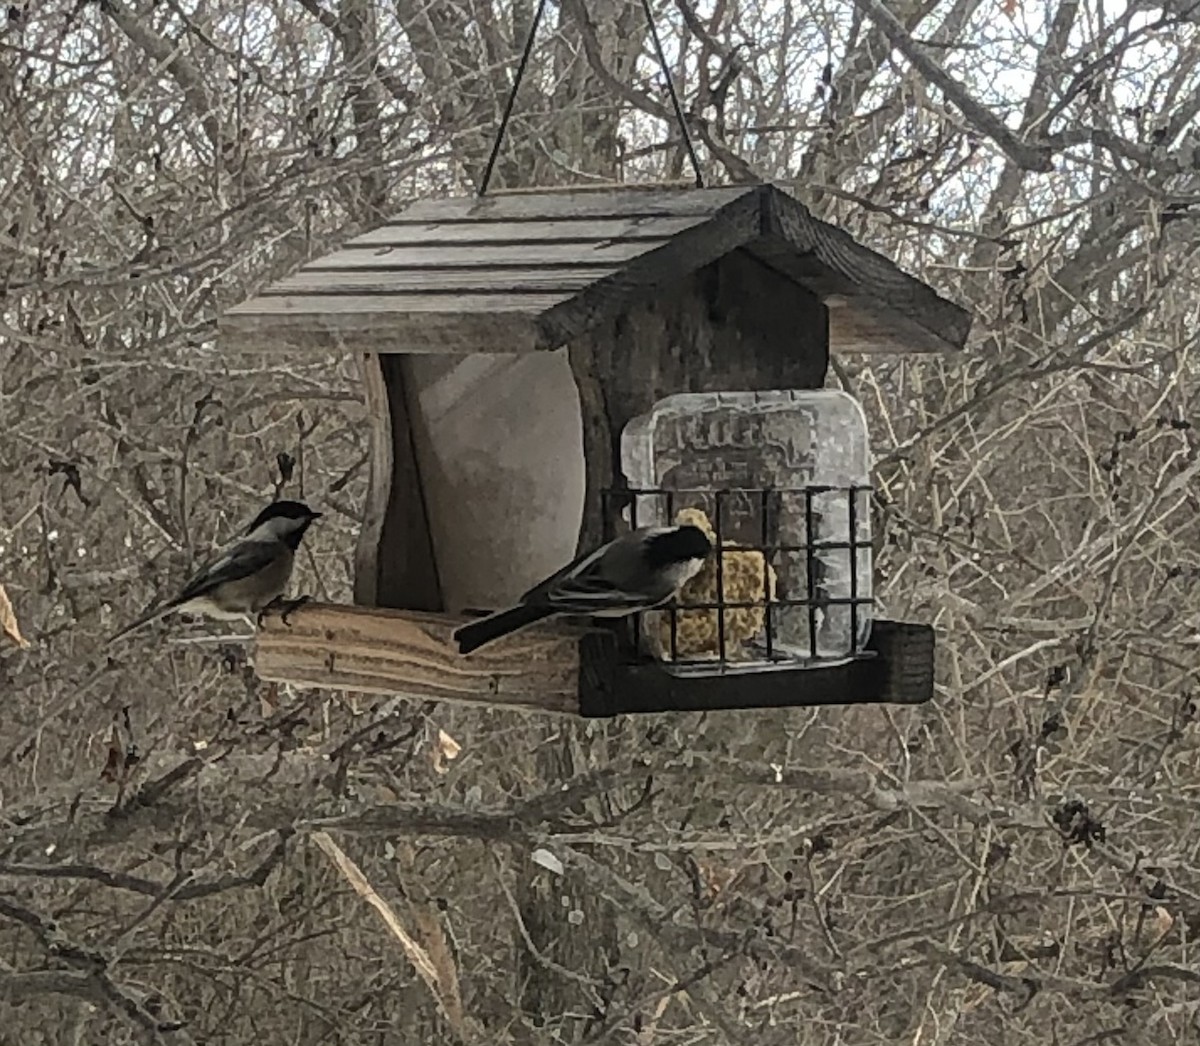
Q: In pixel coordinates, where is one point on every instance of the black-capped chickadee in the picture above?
(640, 570)
(249, 576)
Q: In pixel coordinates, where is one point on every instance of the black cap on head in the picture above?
(296, 510)
(678, 546)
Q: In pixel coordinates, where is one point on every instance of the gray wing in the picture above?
(241, 561)
(614, 577)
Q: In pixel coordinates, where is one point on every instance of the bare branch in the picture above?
(1028, 157)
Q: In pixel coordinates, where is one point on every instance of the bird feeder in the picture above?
(546, 368)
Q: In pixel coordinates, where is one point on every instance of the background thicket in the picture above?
(1016, 862)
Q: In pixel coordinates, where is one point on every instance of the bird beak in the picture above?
(316, 515)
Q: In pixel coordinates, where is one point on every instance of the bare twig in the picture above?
(1029, 157)
(416, 954)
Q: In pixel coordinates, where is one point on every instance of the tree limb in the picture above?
(1029, 157)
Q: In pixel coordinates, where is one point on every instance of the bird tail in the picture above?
(473, 636)
(145, 619)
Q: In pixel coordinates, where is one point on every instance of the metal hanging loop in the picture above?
(680, 116)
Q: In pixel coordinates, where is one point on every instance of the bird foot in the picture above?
(287, 607)
(261, 616)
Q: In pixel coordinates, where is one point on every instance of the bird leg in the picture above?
(287, 606)
(262, 614)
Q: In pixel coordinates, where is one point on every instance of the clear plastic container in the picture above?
(792, 469)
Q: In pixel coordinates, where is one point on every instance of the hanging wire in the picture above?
(512, 98)
(520, 75)
(666, 71)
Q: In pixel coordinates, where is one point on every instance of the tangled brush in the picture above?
(742, 574)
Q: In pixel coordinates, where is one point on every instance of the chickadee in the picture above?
(249, 576)
(640, 570)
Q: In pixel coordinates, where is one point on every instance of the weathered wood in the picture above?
(521, 255)
(379, 479)
(432, 324)
(394, 562)
(854, 327)
(876, 282)
(396, 652)
(347, 307)
(803, 269)
(882, 308)
(443, 281)
(735, 325)
(555, 230)
(608, 186)
(612, 203)
(607, 299)
(365, 324)
(406, 336)
(858, 321)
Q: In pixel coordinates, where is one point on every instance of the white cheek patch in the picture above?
(681, 573)
(274, 529)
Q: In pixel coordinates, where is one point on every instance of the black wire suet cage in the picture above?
(788, 585)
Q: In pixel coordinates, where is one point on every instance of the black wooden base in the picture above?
(900, 672)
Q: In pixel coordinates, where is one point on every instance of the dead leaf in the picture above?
(715, 878)
(1163, 921)
(542, 856)
(8, 621)
(382, 792)
(445, 751)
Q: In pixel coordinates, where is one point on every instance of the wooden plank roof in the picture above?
(521, 272)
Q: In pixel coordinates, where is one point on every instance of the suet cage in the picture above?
(774, 594)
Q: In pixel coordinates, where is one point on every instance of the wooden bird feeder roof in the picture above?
(516, 273)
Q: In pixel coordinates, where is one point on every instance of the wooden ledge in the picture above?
(563, 670)
(404, 652)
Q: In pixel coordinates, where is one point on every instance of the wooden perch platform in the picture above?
(563, 670)
(384, 651)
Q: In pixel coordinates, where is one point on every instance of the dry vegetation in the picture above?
(1016, 862)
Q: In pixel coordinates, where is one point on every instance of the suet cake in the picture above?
(744, 574)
